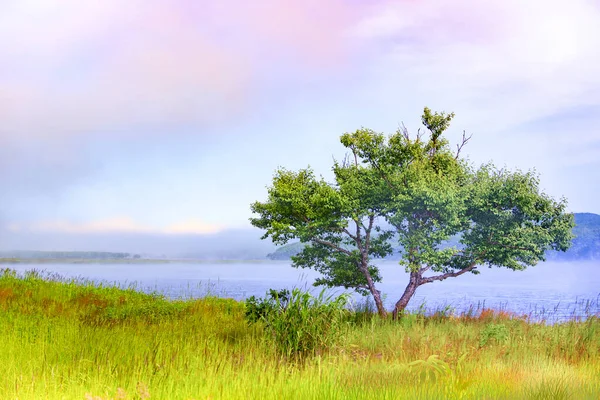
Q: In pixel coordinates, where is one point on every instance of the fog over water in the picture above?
(551, 290)
(231, 244)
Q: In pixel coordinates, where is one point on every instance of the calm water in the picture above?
(554, 291)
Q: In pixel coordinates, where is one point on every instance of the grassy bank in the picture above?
(70, 340)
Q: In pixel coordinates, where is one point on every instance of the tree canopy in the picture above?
(417, 192)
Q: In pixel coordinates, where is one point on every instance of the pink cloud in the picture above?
(69, 67)
(312, 31)
(435, 23)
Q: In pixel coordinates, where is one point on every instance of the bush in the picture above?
(299, 323)
(497, 332)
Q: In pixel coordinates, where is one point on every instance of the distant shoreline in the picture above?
(125, 261)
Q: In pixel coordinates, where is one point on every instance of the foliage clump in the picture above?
(299, 323)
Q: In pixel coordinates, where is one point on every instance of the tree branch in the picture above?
(459, 147)
(368, 233)
(447, 275)
(404, 131)
(358, 239)
(363, 225)
(332, 245)
(347, 232)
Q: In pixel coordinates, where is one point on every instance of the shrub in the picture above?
(299, 323)
(497, 332)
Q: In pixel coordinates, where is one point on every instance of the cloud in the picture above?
(114, 225)
(74, 74)
(502, 66)
(75, 67)
(80, 78)
(108, 67)
(519, 61)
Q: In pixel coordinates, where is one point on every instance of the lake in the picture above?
(553, 291)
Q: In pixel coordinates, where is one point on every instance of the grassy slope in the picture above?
(66, 340)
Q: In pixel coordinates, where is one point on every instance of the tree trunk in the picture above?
(364, 267)
(411, 288)
(379, 303)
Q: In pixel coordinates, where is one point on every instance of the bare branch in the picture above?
(447, 275)
(419, 135)
(404, 131)
(459, 147)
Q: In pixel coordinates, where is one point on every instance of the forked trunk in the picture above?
(411, 288)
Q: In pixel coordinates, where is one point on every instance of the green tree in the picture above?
(428, 194)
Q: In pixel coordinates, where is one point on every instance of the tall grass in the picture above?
(74, 340)
(297, 323)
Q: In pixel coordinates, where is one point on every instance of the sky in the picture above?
(169, 117)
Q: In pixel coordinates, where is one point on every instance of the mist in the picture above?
(229, 244)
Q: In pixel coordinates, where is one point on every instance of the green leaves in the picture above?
(428, 195)
(298, 206)
(512, 223)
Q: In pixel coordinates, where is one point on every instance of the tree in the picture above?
(428, 195)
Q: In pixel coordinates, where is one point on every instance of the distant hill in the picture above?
(88, 255)
(286, 252)
(586, 245)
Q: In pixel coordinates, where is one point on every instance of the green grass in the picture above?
(73, 340)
